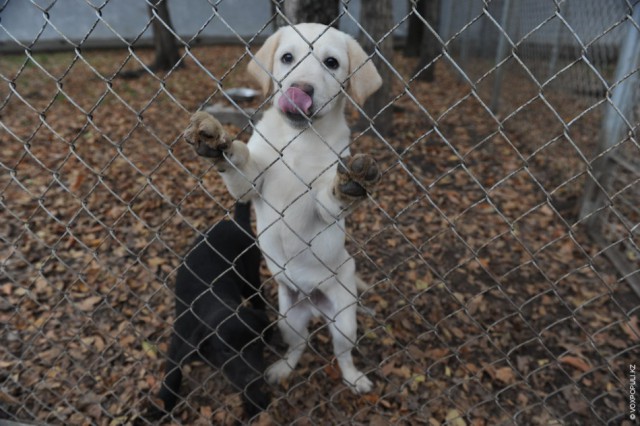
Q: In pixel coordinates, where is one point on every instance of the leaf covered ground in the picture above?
(489, 303)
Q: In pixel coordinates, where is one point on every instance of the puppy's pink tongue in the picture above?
(295, 100)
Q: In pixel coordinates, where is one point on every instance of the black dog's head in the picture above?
(236, 345)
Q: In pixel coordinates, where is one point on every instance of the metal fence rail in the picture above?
(501, 247)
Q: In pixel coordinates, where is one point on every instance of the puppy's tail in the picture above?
(242, 215)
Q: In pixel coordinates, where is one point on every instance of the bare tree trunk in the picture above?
(430, 47)
(416, 28)
(166, 48)
(277, 10)
(167, 55)
(376, 19)
(297, 11)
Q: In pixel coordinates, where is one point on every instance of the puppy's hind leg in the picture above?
(295, 316)
(343, 334)
(343, 327)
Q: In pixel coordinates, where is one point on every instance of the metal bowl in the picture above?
(242, 93)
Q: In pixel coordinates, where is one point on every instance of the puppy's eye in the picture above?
(331, 63)
(287, 58)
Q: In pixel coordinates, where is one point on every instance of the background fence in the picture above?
(509, 183)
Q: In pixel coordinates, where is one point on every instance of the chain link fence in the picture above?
(494, 297)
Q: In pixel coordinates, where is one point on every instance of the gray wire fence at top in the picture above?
(502, 247)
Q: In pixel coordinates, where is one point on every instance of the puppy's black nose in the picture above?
(305, 87)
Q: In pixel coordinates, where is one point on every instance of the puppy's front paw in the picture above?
(207, 136)
(356, 177)
(359, 383)
(277, 372)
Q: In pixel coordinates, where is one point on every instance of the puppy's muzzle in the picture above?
(297, 101)
(305, 87)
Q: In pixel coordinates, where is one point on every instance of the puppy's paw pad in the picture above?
(357, 176)
(360, 384)
(207, 135)
(278, 371)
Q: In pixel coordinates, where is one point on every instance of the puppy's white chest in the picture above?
(296, 244)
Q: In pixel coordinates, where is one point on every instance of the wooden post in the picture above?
(376, 19)
(166, 48)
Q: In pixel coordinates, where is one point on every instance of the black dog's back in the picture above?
(225, 256)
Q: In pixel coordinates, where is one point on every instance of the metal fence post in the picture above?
(446, 16)
(555, 49)
(615, 122)
(501, 53)
(465, 41)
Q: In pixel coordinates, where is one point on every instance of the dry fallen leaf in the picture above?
(333, 371)
(390, 369)
(89, 303)
(264, 419)
(575, 362)
(632, 329)
(77, 182)
(437, 353)
(370, 398)
(454, 418)
(378, 420)
(505, 375)
(7, 364)
(206, 412)
(156, 261)
(150, 349)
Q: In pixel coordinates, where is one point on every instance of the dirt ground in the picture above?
(489, 303)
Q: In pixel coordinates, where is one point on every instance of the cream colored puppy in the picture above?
(301, 190)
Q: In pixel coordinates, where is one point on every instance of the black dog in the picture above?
(212, 321)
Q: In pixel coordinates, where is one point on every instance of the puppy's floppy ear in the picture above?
(261, 64)
(364, 80)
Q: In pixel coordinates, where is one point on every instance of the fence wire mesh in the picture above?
(488, 301)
